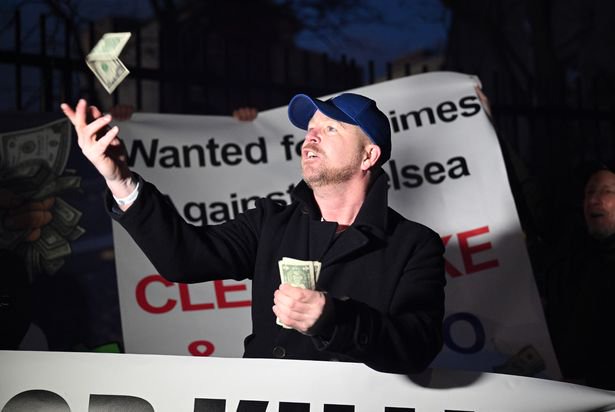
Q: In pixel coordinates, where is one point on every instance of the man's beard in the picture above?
(600, 232)
(329, 176)
(326, 175)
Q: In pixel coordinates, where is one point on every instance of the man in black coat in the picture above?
(379, 295)
(580, 288)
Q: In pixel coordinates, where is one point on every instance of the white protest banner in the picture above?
(446, 171)
(56, 381)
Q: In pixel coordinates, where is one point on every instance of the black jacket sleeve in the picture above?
(183, 252)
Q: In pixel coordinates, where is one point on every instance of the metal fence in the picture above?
(44, 65)
(210, 75)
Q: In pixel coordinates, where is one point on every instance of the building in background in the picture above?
(419, 61)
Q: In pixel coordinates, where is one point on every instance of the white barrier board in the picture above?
(56, 381)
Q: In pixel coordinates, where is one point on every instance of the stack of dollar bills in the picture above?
(298, 273)
(104, 60)
(32, 168)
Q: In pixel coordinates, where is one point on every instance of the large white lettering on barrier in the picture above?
(446, 171)
(95, 382)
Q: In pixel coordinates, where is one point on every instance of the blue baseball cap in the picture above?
(348, 108)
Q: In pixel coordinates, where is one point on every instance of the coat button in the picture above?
(279, 352)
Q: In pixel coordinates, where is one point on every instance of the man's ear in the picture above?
(371, 156)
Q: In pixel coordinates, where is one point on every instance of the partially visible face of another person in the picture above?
(332, 152)
(599, 204)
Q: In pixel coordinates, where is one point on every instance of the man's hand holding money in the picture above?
(298, 308)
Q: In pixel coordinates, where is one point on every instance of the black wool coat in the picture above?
(383, 276)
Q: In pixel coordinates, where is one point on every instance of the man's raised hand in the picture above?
(101, 146)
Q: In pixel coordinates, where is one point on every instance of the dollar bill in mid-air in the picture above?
(104, 60)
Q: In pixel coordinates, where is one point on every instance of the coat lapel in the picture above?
(321, 236)
(351, 241)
